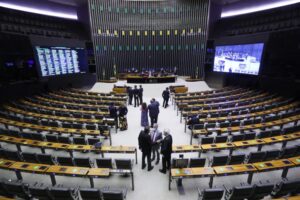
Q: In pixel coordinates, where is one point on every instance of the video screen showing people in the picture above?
(241, 59)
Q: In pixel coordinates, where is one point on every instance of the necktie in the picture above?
(154, 136)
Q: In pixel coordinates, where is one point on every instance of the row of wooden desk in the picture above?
(263, 125)
(67, 147)
(231, 146)
(55, 170)
(71, 131)
(209, 93)
(84, 96)
(248, 115)
(250, 169)
(79, 91)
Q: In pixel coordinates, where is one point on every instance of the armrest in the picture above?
(124, 192)
(227, 189)
(199, 192)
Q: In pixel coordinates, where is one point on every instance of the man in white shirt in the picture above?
(156, 137)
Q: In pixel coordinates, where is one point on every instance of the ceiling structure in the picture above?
(68, 8)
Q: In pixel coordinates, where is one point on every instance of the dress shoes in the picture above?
(162, 171)
(149, 169)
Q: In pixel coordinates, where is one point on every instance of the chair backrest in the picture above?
(113, 195)
(17, 189)
(104, 163)
(45, 159)
(65, 161)
(242, 192)
(62, 193)
(63, 139)
(37, 136)
(198, 126)
(93, 141)
(210, 125)
(91, 127)
(51, 138)
(238, 137)
(13, 155)
(235, 123)
(247, 122)
(264, 134)
(207, 140)
(41, 193)
(123, 164)
(197, 162)
(221, 139)
(212, 194)
(256, 156)
(27, 135)
(82, 162)
(276, 132)
(272, 154)
(79, 140)
(236, 159)
(219, 160)
(29, 157)
(67, 125)
(288, 152)
(90, 194)
(77, 126)
(261, 191)
(53, 123)
(286, 187)
(250, 136)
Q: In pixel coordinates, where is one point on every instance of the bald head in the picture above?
(155, 126)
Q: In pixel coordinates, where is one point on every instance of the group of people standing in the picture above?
(153, 110)
(150, 142)
(136, 94)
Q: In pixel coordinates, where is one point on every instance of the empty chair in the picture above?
(250, 136)
(93, 141)
(123, 164)
(236, 159)
(198, 126)
(261, 190)
(45, 159)
(235, 123)
(210, 194)
(77, 126)
(197, 162)
(210, 125)
(264, 134)
(272, 154)
(288, 152)
(207, 140)
(63, 139)
(91, 127)
(26, 135)
(44, 123)
(239, 193)
(79, 140)
(104, 163)
(221, 139)
(39, 192)
(256, 157)
(67, 125)
(285, 188)
(13, 155)
(276, 132)
(90, 193)
(63, 193)
(17, 189)
(29, 157)
(114, 194)
(37, 136)
(247, 122)
(219, 160)
(65, 161)
(238, 137)
(53, 123)
(224, 124)
(51, 138)
(83, 162)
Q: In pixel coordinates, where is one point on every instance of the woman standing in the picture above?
(144, 115)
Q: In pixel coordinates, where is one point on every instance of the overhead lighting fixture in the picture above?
(39, 11)
(268, 6)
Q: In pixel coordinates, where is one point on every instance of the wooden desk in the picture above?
(6, 198)
(236, 169)
(186, 148)
(219, 146)
(284, 164)
(95, 97)
(289, 198)
(191, 173)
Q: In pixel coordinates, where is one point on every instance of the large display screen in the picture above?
(61, 60)
(242, 59)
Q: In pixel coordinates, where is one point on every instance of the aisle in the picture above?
(154, 185)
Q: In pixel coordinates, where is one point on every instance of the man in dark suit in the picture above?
(153, 108)
(166, 151)
(156, 137)
(130, 95)
(145, 145)
(113, 113)
(141, 90)
(136, 96)
(166, 96)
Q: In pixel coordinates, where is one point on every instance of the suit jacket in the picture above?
(135, 92)
(145, 142)
(153, 109)
(141, 90)
(158, 136)
(166, 94)
(166, 146)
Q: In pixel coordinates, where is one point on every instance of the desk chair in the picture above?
(197, 162)
(79, 140)
(63, 139)
(207, 140)
(90, 194)
(104, 163)
(13, 155)
(285, 188)
(65, 161)
(51, 138)
(239, 193)
(210, 194)
(218, 160)
(272, 154)
(237, 137)
(39, 192)
(264, 134)
(45, 159)
(250, 136)
(123, 164)
(63, 193)
(77, 126)
(14, 133)
(17, 189)
(236, 159)
(26, 135)
(29, 157)
(93, 141)
(37, 136)
(256, 157)
(288, 152)
(67, 125)
(221, 139)
(261, 190)
(91, 127)
(114, 194)
(83, 162)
